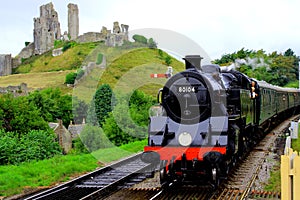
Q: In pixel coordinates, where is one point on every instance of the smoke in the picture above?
(253, 62)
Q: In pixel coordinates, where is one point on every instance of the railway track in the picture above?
(118, 181)
(240, 184)
(99, 183)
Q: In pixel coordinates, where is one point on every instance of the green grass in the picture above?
(16, 179)
(70, 59)
(274, 182)
(296, 142)
(38, 80)
(294, 84)
(46, 71)
(126, 69)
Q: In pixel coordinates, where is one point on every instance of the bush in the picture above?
(99, 58)
(20, 115)
(93, 138)
(152, 44)
(70, 78)
(68, 45)
(168, 60)
(58, 43)
(140, 38)
(34, 145)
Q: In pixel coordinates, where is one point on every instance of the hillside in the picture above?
(44, 71)
(127, 70)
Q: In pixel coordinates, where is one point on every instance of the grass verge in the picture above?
(15, 179)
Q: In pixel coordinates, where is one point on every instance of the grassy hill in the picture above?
(72, 58)
(122, 64)
(126, 70)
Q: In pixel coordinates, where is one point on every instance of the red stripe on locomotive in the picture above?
(167, 153)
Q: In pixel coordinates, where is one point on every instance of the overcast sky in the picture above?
(218, 26)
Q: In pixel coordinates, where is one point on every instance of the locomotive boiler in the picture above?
(208, 119)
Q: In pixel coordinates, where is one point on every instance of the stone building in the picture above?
(73, 21)
(5, 64)
(75, 129)
(63, 135)
(46, 29)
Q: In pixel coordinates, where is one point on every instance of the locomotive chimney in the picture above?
(193, 61)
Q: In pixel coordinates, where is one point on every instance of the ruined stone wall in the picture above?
(26, 52)
(118, 36)
(19, 90)
(73, 21)
(114, 38)
(90, 37)
(46, 29)
(5, 64)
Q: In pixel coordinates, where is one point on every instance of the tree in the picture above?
(140, 39)
(129, 119)
(152, 44)
(80, 109)
(104, 100)
(19, 115)
(53, 105)
(91, 117)
(93, 138)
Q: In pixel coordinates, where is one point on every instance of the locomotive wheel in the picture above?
(163, 172)
(171, 169)
(215, 178)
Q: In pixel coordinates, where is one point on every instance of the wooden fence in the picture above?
(290, 175)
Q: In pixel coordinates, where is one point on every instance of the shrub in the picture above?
(19, 115)
(99, 58)
(152, 44)
(68, 45)
(140, 38)
(58, 43)
(168, 60)
(93, 138)
(70, 78)
(34, 145)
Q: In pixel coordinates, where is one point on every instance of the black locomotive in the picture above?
(209, 118)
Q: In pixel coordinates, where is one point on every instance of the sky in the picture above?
(218, 26)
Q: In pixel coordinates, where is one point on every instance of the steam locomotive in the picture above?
(208, 119)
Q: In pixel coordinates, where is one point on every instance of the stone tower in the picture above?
(5, 64)
(46, 29)
(73, 21)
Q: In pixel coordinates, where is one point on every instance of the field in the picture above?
(38, 80)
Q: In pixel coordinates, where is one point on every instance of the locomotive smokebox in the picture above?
(193, 61)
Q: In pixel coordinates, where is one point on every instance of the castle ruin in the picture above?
(73, 21)
(46, 29)
(111, 38)
(5, 64)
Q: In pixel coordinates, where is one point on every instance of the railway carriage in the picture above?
(208, 119)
